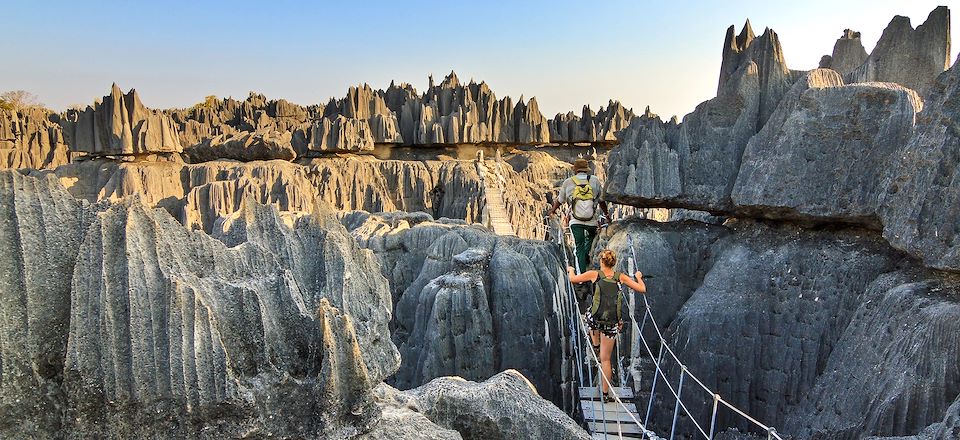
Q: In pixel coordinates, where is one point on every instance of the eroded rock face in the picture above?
(467, 303)
(590, 126)
(453, 113)
(769, 314)
(121, 124)
(41, 230)
(950, 427)
(31, 138)
(168, 320)
(645, 169)
(848, 53)
(898, 356)
(695, 165)
(402, 417)
(245, 146)
(773, 75)
(907, 56)
(488, 410)
(199, 194)
(920, 203)
(154, 343)
(170, 332)
(828, 157)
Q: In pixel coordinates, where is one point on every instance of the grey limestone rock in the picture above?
(244, 146)
(121, 124)
(340, 134)
(769, 314)
(920, 196)
(229, 116)
(826, 152)
(894, 371)
(848, 53)
(144, 328)
(950, 427)
(402, 418)
(694, 165)
(711, 142)
(230, 341)
(489, 410)
(645, 168)
(590, 126)
(466, 301)
(907, 56)
(454, 113)
(199, 194)
(773, 75)
(31, 138)
(41, 230)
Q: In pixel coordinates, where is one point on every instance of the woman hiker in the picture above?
(604, 315)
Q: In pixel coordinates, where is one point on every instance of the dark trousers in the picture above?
(583, 237)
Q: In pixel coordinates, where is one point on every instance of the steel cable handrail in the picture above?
(583, 332)
(771, 432)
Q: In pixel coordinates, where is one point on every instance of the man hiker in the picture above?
(582, 192)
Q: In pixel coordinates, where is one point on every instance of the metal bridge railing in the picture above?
(576, 320)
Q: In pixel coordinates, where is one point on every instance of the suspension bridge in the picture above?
(495, 215)
(630, 413)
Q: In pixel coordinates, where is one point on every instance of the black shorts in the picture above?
(611, 330)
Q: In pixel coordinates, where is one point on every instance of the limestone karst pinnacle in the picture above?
(908, 56)
(121, 124)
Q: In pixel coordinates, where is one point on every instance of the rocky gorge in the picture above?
(262, 269)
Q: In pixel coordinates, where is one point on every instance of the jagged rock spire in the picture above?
(907, 56)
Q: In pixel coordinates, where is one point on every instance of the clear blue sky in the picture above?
(566, 53)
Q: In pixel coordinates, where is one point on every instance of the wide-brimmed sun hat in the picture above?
(581, 165)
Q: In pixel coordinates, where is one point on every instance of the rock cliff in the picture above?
(800, 167)
(122, 322)
(31, 138)
(590, 126)
(848, 53)
(467, 303)
(908, 56)
(120, 124)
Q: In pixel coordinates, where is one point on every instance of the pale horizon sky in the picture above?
(566, 53)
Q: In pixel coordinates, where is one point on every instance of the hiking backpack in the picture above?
(583, 202)
(607, 301)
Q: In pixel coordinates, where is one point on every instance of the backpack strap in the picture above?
(595, 307)
(616, 277)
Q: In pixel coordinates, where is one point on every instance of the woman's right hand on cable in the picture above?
(639, 275)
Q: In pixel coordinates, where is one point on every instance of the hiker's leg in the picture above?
(590, 236)
(595, 337)
(580, 246)
(606, 349)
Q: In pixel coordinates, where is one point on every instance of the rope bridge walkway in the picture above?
(621, 418)
(495, 212)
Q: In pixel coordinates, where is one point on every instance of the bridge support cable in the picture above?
(604, 424)
(684, 372)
